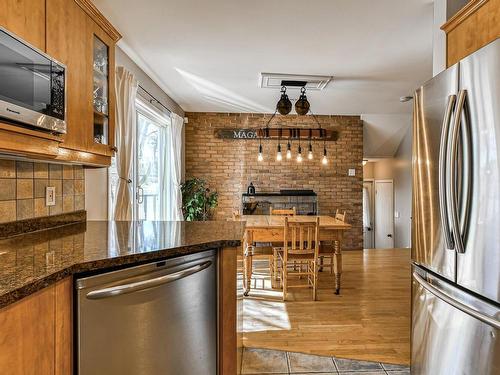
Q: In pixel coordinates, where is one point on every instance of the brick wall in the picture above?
(230, 165)
(22, 189)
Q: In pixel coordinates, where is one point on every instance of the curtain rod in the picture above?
(153, 99)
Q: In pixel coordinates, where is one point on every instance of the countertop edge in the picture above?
(34, 286)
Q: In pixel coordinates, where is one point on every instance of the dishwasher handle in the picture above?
(147, 284)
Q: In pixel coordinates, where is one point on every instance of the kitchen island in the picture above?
(38, 269)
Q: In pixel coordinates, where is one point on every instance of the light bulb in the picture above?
(299, 155)
(260, 157)
(278, 155)
(310, 153)
(324, 161)
(288, 151)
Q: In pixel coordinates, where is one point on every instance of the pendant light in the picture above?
(279, 157)
(324, 161)
(260, 157)
(299, 154)
(288, 150)
(310, 152)
(302, 105)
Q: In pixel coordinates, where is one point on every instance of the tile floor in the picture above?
(264, 362)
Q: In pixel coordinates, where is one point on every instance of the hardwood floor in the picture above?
(370, 320)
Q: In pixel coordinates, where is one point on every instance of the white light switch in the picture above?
(50, 196)
(352, 172)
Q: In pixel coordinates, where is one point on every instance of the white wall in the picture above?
(439, 37)
(397, 169)
(403, 191)
(96, 193)
(382, 133)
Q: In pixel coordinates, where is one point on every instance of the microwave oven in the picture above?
(32, 86)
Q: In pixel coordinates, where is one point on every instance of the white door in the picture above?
(150, 171)
(368, 215)
(150, 165)
(384, 214)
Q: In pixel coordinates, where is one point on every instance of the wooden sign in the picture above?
(237, 133)
(278, 133)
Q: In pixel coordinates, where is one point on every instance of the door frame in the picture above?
(372, 210)
(383, 180)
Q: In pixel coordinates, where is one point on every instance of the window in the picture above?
(150, 181)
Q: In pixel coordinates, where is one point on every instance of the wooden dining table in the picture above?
(269, 228)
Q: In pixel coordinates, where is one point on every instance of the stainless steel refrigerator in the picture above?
(456, 219)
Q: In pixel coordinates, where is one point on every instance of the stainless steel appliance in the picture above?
(158, 318)
(456, 219)
(32, 85)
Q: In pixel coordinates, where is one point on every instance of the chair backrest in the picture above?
(340, 216)
(301, 237)
(282, 211)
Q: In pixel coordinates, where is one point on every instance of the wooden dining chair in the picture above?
(300, 247)
(340, 215)
(327, 249)
(282, 211)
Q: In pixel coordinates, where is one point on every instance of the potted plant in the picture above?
(197, 200)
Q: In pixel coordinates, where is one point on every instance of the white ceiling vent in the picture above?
(276, 80)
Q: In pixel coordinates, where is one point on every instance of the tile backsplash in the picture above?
(22, 189)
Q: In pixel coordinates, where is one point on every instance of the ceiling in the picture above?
(208, 55)
(383, 133)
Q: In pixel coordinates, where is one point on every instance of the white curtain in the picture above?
(174, 169)
(126, 92)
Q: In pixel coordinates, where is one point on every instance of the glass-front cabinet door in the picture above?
(102, 132)
(100, 96)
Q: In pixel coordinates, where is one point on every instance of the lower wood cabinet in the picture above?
(36, 333)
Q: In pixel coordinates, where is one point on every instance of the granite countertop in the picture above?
(32, 261)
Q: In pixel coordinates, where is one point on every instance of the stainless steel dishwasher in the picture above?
(155, 319)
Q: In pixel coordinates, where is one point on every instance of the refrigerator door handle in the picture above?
(452, 187)
(443, 168)
(456, 304)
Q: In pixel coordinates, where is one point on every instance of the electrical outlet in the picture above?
(352, 172)
(50, 196)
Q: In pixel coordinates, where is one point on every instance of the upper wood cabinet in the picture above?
(25, 18)
(76, 39)
(69, 40)
(75, 33)
(474, 26)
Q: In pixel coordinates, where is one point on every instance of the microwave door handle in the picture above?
(443, 169)
(453, 186)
